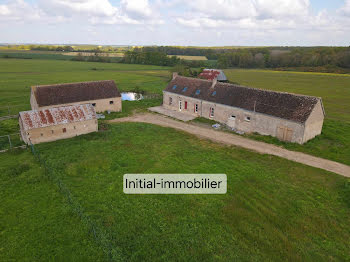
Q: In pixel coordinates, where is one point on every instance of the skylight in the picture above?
(185, 89)
(214, 93)
(198, 91)
(174, 87)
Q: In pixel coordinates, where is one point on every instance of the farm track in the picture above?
(235, 140)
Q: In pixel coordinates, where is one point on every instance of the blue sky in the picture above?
(177, 22)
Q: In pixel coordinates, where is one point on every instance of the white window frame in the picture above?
(233, 117)
(180, 105)
(196, 108)
(247, 118)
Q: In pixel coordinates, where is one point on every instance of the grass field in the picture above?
(274, 210)
(17, 75)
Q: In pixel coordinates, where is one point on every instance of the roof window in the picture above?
(214, 93)
(174, 87)
(198, 92)
(185, 89)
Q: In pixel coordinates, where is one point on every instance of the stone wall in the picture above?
(314, 124)
(101, 105)
(52, 133)
(238, 119)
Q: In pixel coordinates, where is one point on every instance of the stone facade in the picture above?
(248, 121)
(63, 131)
(51, 124)
(101, 105)
(103, 95)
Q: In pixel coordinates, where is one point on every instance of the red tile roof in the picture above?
(209, 74)
(57, 116)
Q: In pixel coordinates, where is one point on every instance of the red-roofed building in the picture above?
(211, 74)
(56, 123)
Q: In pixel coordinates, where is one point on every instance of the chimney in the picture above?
(175, 74)
(215, 80)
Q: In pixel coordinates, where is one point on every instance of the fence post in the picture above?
(8, 109)
(9, 141)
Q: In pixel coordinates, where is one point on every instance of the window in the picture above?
(170, 100)
(185, 89)
(64, 130)
(180, 105)
(232, 117)
(111, 102)
(214, 93)
(174, 87)
(247, 118)
(211, 112)
(42, 134)
(196, 108)
(198, 92)
(52, 132)
(93, 104)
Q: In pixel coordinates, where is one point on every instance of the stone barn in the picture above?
(55, 123)
(289, 117)
(103, 95)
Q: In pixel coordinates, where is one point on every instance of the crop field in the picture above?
(189, 57)
(275, 209)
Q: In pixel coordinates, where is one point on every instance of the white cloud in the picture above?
(346, 8)
(4, 10)
(137, 8)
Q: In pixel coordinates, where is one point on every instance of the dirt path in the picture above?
(231, 139)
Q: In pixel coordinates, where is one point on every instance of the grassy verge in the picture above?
(273, 209)
(333, 143)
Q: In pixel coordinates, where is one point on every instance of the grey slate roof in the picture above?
(47, 95)
(279, 104)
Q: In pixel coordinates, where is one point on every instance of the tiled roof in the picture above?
(47, 95)
(211, 74)
(279, 104)
(57, 116)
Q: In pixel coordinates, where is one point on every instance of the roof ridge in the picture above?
(263, 89)
(61, 84)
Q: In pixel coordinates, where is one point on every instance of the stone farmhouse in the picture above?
(103, 95)
(289, 117)
(55, 123)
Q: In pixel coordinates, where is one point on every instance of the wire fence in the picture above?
(11, 141)
(11, 111)
(101, 237)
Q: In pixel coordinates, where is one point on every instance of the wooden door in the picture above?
(284, 133)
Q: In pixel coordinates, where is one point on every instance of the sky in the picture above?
(177, 22)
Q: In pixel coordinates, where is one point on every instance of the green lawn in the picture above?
(274, 209)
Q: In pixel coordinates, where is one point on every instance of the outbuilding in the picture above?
(103, 95)
(289, 117)
(55, 123)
